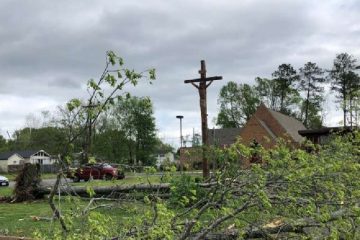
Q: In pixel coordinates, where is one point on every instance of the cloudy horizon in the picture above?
(49, 49)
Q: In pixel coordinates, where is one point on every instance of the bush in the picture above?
(185, 191)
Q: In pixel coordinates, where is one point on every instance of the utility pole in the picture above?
(204, 83)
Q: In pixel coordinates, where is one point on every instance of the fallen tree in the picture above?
(108, 190)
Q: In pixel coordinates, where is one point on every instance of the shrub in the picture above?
(185, 191)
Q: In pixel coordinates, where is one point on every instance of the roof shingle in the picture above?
(24, 154)
(223, 136)
(290, 124)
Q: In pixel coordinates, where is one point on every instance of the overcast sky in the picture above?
(49, 49)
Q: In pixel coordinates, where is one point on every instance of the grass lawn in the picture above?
(16, 218)
(21, 219)
(4, 192)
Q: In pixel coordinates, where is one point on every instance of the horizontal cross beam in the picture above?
(203, 79)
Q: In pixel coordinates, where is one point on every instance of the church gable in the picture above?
(266, 125)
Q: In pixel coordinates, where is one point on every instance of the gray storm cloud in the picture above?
(48, 50)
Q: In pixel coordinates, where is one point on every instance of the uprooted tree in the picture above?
(311, 193)
(27, 184)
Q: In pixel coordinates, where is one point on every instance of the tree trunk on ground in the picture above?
(107, 190)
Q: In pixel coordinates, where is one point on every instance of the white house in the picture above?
(162, 157)
(18, 158)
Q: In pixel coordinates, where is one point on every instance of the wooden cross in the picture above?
(204, 83)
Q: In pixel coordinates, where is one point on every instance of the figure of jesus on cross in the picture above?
(204, 83)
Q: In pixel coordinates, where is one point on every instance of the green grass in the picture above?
(21, 219)
(16, 218)
(5, 192)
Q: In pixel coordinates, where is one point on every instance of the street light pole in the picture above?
(181, 138)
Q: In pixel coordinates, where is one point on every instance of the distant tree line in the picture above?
(125, 133)
(295, 93)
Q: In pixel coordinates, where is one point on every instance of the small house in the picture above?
(164, 157)
(14, 160)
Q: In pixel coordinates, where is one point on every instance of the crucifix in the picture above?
(204, 83)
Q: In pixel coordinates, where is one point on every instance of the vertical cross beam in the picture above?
(203, 85)
(204, 123)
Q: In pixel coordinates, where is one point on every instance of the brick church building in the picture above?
(266, 126)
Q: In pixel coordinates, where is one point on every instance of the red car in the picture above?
(95, 171)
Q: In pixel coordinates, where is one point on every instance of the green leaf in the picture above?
(147, 200)
(111, 57)
(152, 74)
(92, 84)
(121, 61)
(90, 191)
(110, 79)
(73, 103)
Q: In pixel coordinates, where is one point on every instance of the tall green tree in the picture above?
(314, 119)
(356, 109)
(134, 117)
(162, 146)
(21, 139)
(311, 78)
(237, 104)
(110, 146)
(353, 99)
(268, 92)
(4, 147)
(345, 82)
(50, 139)
(285, 79)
